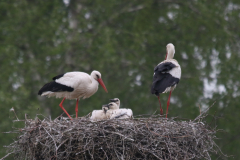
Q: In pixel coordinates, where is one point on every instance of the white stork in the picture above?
(114, 112)
(166, 76)
(73, 85)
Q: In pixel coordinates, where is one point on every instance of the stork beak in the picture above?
(113, 100)
(102, 84)
(105, 110)
(166, 55)
(105, 106)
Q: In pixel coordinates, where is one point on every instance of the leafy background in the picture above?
(124, 40)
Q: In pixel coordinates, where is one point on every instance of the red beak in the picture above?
(102, 84)
(166, 56)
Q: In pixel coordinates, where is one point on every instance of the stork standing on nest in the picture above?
(73, 85)
(166, 76)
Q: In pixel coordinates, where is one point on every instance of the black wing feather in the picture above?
(58, 76)
(164, 67)
(162, 79)
(54, 87)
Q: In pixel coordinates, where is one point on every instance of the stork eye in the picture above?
(97, 76)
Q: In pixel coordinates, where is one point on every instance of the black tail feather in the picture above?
(54, 87)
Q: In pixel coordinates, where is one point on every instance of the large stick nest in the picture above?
(144, 137)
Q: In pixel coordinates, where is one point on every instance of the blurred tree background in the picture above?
(124, 40)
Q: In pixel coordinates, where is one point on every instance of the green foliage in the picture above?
(124, 40)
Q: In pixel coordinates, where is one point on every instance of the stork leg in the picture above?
(161, 110)
(168, 102)
(76, 109)
(64, 109)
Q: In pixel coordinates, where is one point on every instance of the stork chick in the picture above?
(115, 112)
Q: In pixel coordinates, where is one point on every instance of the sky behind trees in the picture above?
(124, 40)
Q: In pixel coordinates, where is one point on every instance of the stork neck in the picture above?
(94, 85)
(118, 104)
(170, 54)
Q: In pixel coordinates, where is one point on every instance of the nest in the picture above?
(144, 137)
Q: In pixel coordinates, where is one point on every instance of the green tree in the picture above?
(124, 40)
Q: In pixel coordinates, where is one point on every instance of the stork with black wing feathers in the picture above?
(166, 76)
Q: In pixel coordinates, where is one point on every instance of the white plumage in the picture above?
(84, 85)
(166, 75)
(115, 112)
(111, 111)
(98, 115)
(73, 85)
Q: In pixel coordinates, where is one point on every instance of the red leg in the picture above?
(161, 111)
(64, 109)
(168, 102)
(76, 109)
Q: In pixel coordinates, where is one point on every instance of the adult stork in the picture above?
(166, 76)
(73, 85)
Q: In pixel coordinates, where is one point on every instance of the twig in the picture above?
(204, 112)
(13, 110)
(199, 109)
(52, 139)
(6, 156)
(120, 135)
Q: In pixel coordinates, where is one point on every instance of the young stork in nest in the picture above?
(116, 100)
(166, 76)
(114, 112)
(73, 85)
(98, 115)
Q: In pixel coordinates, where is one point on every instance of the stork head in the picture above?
(97, 76)
(116, 100)
(170, 51)
(112, 105)
(105, 108)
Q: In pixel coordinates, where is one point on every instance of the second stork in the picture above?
(166, 76)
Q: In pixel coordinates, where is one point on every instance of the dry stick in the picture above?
(199, 109)
(156, 156)
(123, 148)
(154, 132)
(6, 155)
(43, 116)
(199, 117)
(120, 135)
(213, 118)
(61, 143)
(104, 152)
(52, 139)
(12, 109)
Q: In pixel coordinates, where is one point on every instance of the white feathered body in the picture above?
(83, 86)
(119, 113)
(98, 115)
(174, 72)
